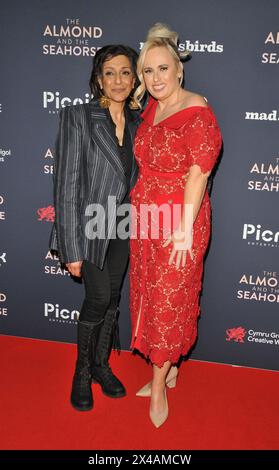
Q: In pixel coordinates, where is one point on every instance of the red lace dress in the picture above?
(164, 300)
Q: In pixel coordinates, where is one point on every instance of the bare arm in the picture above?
(194, 190)
(193, 195)
(203, 146)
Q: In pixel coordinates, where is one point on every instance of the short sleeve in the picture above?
(204, 140)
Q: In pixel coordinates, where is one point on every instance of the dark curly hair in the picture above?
(107, 53)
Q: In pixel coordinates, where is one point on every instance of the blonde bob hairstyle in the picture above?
(158, 36)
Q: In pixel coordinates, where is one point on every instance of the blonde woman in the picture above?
(176, 148)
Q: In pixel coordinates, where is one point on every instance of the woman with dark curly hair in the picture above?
(95, 171)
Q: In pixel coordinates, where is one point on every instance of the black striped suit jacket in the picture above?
(87, 170)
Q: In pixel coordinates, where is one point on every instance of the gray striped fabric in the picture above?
(87, 170)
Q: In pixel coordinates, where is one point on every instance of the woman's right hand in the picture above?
(74, 268)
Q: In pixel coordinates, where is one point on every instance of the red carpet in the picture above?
(213, 406)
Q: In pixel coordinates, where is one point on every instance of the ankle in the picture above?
(158, 387)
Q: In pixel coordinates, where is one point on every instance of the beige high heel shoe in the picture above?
(171, 378)
(159, 418)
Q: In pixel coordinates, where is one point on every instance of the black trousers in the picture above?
(102, 287)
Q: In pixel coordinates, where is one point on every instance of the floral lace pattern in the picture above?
(164, 301)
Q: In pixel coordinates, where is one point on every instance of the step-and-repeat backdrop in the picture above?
(46, 57)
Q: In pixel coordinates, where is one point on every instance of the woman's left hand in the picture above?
(182, 242)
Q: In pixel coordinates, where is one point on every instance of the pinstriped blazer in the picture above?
(87, 170)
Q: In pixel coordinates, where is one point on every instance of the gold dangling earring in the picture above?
(180, 79)
(104, 101)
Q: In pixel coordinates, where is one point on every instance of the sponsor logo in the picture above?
(196, 46)
(3, 310)
(262, 288)
(46, 213)
(71, 39)
(52, 101)
(4, 154)
(260, 116)
(266, 177)
(54, 313)
(257, 236)
(2, 213)
(3, 259)
(263, 337)
(271, 57)
(48, 168)
(54, 269)
(241, 335)
(236, 334)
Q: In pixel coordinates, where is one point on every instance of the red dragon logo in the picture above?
(236, 334)
(46, 213)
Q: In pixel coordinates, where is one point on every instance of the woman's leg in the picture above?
(158, 402)
(96, 302)
(117, 259)
(97, 292)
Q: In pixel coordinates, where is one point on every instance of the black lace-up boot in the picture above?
(101, 371)
(81, 396)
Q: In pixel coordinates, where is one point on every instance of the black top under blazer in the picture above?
(87, 170)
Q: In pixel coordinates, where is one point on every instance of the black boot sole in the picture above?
(82, 408)
(116, 395)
